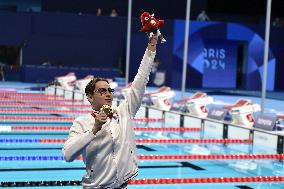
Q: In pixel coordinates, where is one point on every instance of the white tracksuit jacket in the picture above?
(110, 155)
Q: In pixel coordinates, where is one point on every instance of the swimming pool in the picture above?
(30, 154)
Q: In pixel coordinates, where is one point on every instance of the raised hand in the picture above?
(153, 42)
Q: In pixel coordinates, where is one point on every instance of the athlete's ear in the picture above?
(90, 98)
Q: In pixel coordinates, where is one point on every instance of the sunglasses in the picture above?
(103, 91)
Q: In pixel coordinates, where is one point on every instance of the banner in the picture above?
(220, 64)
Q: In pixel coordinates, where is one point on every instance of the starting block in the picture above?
(159, 99)
(195, 105)
(81, 84)
(121, 93)
(66, 80)
(242, 112)
(280, 123)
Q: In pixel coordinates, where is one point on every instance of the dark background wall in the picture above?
(67, 32)
(64, 40)
(68, 39)
(253, 10)
(88, 41)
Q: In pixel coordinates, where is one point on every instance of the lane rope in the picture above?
(33, 111)
(67, 128)
(141, 141)
(264, 179)
(159, 157)
(39, 99)
(43, 105)
(68, 119)
(208, 180)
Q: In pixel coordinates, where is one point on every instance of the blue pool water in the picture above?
(14, 169)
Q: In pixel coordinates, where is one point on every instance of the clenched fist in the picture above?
(101, 118)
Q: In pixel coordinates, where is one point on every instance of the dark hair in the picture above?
(89, 90)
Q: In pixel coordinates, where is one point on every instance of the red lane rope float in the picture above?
(42, 128)
(167, 141)
(29, 95)
(211, 157)
(48, 118)
(47, 99)
(70, 111)
(24, 94)
(36, 118)
(14, 110)
(66, 128)
(280, 116)
(58, 140)
(149, 119)
(208, 180)
(165, 129)
(44, 105)
(186, 141)
(207, 157)
(149, 157)
(32, 111)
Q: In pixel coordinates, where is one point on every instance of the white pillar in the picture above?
(266, 51)
(128, 42)
(185, 50)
